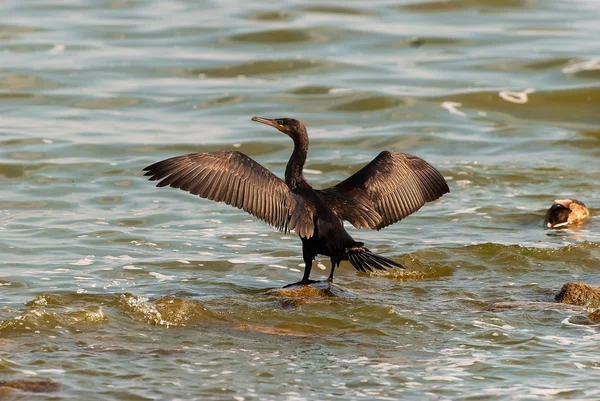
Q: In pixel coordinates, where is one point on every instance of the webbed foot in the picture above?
(302, 282)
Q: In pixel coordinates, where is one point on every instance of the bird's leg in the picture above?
(334, 264)
(308, 259)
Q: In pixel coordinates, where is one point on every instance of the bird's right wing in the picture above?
(239, 181)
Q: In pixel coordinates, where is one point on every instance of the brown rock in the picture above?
(319, 292)
(580, 294)
(595, 315)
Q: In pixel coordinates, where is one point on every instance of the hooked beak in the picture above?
(266, 121)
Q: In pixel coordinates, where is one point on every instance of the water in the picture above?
(113, 289)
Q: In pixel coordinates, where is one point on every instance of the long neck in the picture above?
(293, 171)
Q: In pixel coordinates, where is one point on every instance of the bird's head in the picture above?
(289, 126)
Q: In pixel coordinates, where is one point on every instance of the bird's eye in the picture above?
(279, 122)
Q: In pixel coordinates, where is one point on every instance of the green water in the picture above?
(113, 289)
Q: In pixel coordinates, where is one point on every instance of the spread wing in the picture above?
(239, 181)
(391, 187)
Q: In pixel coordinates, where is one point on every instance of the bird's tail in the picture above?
(364, 260)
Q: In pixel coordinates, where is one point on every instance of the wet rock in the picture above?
(595, 315)
(31, 386)
(579, 294)
(320, 292)
(564, 212)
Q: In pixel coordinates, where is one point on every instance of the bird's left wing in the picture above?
(393, 185)
(239, 181)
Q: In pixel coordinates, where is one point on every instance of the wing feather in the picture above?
(391, 187)
(239, 181)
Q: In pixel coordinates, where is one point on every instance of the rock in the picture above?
(595, 315)
(320, 292)
(579, 294)
(319, 289)
(564, 212)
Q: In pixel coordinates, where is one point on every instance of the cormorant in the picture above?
(388, 189)
(564, 212)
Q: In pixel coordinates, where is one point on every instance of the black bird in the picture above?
(388, 189)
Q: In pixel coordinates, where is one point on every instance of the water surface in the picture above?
(116, 290)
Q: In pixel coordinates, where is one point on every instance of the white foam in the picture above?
(590, 65)
(452, 108)
(516, 97)
(160, 276)
(88, 260)
(468, 210)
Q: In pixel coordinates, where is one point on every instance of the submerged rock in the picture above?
(577, 297)
(579, 294)
(532, 306)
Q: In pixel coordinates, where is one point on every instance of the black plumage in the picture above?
(391, 187)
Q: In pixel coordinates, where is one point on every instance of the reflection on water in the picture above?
(139, 293)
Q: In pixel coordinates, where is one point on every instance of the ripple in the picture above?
(25, 81)
(40, 318)
(331, 9)
(131, 222)
(429, 41)
(30, 386)
(23, 141)
(270, 16)
(312, 90)
(111, 103)
(222, 101)
(254, 68)
(371, 103)
(584, 69)
(17, 96)
(444, 5)
(107, 200)
(549, 64)
(283, 36)
(10, 32)
(19, 171)
(35, 204)
(27, 155)
(566, 105)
